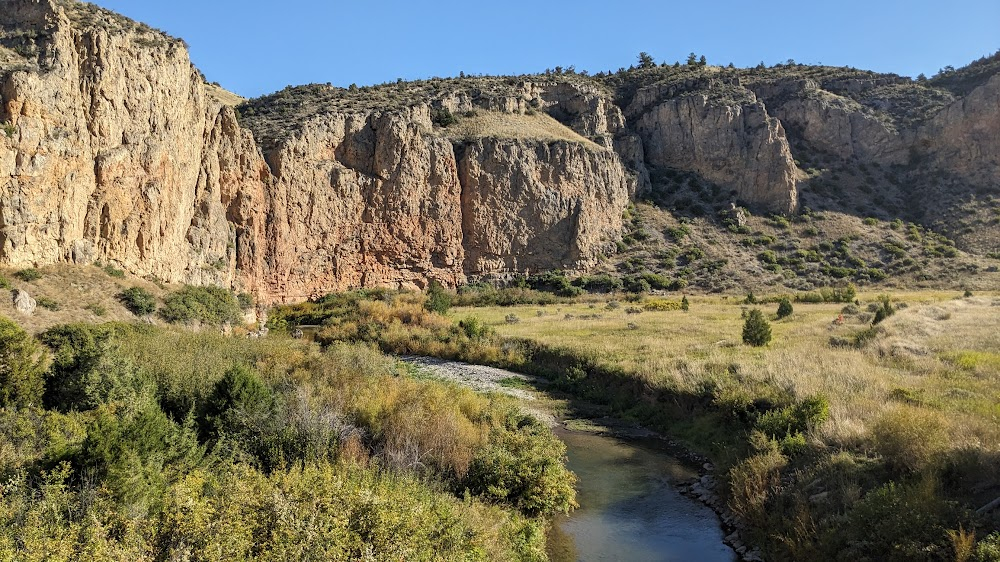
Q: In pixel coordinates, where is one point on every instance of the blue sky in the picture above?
(254, 47)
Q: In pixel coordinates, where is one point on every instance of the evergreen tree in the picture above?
(685, 305)
(692, 59)
(645, 60)
(702, 61)
(756, 329)
(784, 307)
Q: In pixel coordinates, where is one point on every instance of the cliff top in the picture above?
(26, 29)
(896, 100)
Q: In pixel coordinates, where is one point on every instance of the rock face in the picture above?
(737, 145)
(531, 207)
(114, 149)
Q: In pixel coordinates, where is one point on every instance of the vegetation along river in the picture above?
(630, 508)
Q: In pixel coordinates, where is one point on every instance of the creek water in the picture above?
(630, 509)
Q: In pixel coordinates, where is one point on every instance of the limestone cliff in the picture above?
(113, 148)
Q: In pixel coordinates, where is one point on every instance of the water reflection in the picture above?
(628, 508)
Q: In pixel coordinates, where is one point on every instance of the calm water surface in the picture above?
(629, 510)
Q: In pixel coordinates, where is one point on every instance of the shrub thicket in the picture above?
(210, 305)
(22, 366)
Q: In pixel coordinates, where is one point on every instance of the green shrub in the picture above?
(988, 549)
(139, 301)
(28, 275)
(602, 283)
(114, 271)
(245, 300)
(5, 283)
(438, 299)
(553, 282)
(756, 329)
(898, 522)
(96, 308)
(443, 117)
(522, 465)
(685, 305)
(884, 310)
(243, 409)
(22, 366)
(138, 456)
(474, 328)
(784, 308)
(87, 371)
(210, 305)
(47, 303)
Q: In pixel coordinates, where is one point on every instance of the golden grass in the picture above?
(223, 96)
(938, 355)
(540, 126)
(78, 291)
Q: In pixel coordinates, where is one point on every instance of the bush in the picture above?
(22, 367)
(86, 369)
(685, 305)
(243, 409)
(756, 329)
(28, 275)
(662, 304)
(909, 439)
(988, 549)
(602, 283)
(884, 310)
(784, 308)
(553, 282)
(47, 303)
(522, 465)
(438, 299)
(114, 271)
(474, 328)
(210, 305)
(139, 301)
(443, 117)
(245, 300)
(137, 457)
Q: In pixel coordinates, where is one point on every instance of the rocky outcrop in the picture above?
(965, 136)
(735, 144)
(103, 151)
(830, 123)
(23, 302)
(533, 206)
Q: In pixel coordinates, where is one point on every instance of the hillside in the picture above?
(116, 150)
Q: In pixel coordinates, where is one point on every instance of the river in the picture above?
(630, 509)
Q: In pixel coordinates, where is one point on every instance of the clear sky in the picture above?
(254, 47)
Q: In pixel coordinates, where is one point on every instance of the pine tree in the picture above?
(685, 305)
(756, 329)
(646, 61)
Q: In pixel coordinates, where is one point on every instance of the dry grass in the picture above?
(911, 364)
(77, 291)
(223, 96)
(540, 126)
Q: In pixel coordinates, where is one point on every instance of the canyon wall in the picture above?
(113, 149)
